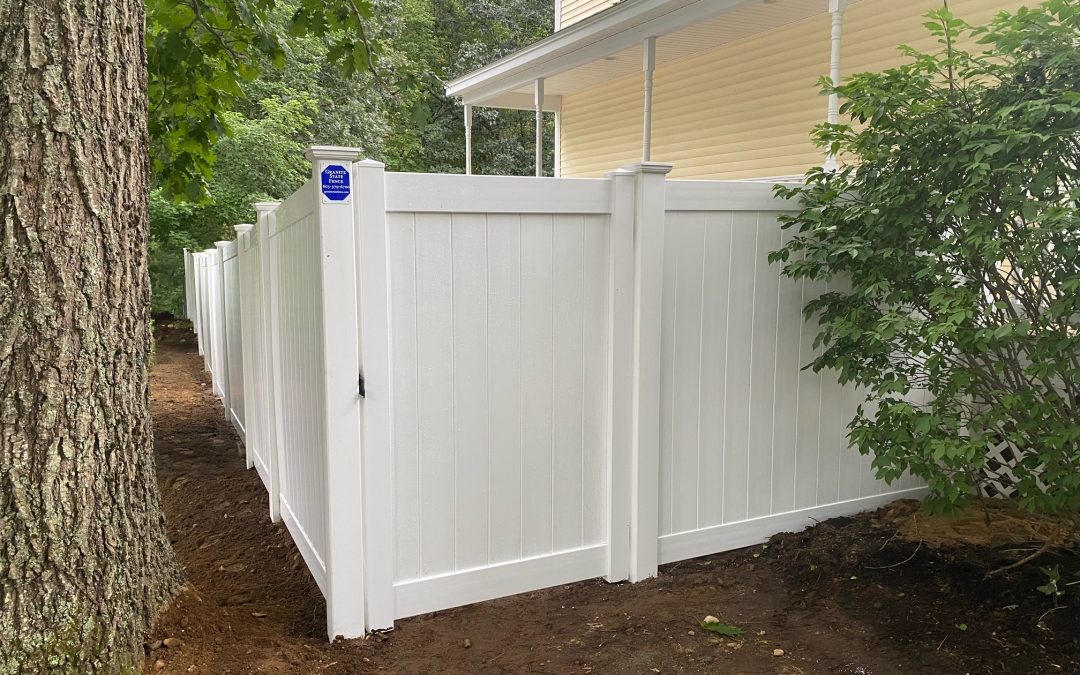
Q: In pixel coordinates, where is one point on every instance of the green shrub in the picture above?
(952, 241)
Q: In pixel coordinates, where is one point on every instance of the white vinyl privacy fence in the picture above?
(458, 388)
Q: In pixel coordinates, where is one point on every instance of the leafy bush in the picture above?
(950, 243)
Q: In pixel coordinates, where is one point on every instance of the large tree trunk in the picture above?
(84, 558)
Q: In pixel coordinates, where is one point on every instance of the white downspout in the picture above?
(558, 15)
(649, 65)
(836, 8)
(468, 140)
(540, 126)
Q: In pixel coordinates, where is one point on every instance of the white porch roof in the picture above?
(608, 46)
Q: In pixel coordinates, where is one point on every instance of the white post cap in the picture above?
(338, 152)
(650, 167)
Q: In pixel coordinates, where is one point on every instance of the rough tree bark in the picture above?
(84, 558)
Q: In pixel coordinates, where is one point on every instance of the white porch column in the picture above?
(649, 65)
(836, 8)
(468, 140)
(557, 169)
(539, 126)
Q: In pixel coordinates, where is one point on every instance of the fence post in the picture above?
(222, 314)
(196, 321)
(206, 327)
(247, 333)
(196, 258)
(208, 313)
(267, 410)
(187, 285)
(649, 205)
(375, 358)
(207, 321)
(620, 331)
(340, 356)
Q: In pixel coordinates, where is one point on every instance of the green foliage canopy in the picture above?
(263, 157)
(199, 54)
(240, 87)
(950, 247)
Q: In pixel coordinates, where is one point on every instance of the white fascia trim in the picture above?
(613, 30)
(513, 100)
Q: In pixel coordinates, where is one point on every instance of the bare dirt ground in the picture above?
(853, 596)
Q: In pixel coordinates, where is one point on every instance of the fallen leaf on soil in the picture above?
(259, 615)
(721, 628)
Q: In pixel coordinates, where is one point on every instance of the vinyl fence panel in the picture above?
(751, 443)
(255, 381)
(499, 311)
(233, 338)
(458, 388)
(296, 354)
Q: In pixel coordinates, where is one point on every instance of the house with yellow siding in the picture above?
(721, 89)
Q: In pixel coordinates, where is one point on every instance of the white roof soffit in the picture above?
(618, 28)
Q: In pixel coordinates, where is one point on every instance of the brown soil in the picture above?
(851, 595)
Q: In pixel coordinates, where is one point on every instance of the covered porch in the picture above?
(640, 43)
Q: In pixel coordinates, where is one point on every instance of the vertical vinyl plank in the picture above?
(689, 235)
(435, 366)
(505, 385)
(763, 368)
(738, 384)
(470, 388)
(714, 363)
(403, 321)
(538, 393)
(568, 241)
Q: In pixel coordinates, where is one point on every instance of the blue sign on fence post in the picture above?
(336, 185)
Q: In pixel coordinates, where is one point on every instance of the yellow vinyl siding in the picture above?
(573, 11)
(744, 110)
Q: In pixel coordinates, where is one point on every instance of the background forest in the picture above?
(397, 114)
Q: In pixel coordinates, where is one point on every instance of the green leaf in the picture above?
(722, 629)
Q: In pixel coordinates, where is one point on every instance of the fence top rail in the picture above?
(724, 195)
(228, 252)
(458, 193)
(296, 208)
